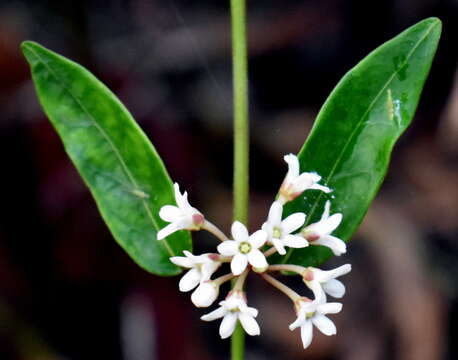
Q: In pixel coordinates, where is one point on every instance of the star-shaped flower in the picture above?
(319, 233)
(279, 232)
(232, 309)
(201, 268)
(244, 249)
(181, 217)
(295, 184)
(324, 282)
(311, 313)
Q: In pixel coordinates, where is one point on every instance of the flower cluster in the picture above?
(246, 252)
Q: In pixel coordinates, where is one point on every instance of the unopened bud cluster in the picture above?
(246, 252)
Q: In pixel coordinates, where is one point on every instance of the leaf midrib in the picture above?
(110, 142)
(360, 123)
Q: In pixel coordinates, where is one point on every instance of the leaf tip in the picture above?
(27, 48)
(26, 45)
(434, 22)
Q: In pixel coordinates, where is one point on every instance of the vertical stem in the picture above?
(241, 136)
(240, 86)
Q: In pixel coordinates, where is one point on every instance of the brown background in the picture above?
(68, 291)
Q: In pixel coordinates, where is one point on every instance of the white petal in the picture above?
(215, 314)
(208, 269)
(181, 200)
(318, 292)
(324, 324)
(249, 324)
(169, 213)
(257, 259)
(332, 222)
(268, 228)
(239, 232)
(324, 276)
(251, 311)
(182, 261)
(190, 280)
(238, 264)
(293, 166)
(190, 255)
(293, 222)
(227, 326)
(329, 308)
(306, 334)
(303, 182)
(275, 212)
(335, 288)
(205, 294)
(298, 322)
(278, 244)
(295, 241)
(228, 248)
(185, 222)
(323, 188)
(169, 229)
(337, 246)
(327, 208)
(258, 239)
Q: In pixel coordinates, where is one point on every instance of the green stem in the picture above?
(241, 136)
(241, 133)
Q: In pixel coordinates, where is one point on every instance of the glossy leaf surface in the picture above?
(355, 131)
(116, 160)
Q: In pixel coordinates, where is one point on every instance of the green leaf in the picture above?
(355, 131)
(114, 157)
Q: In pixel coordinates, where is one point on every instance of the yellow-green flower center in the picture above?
(245, 247)
(276, 232)
(309, 315)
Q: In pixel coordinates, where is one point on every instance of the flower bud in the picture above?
(205, 294)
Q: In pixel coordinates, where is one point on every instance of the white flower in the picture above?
(295, 184)
(311, 313)
(322, 282)
(232, 309)
(319, 233)
(244, 249)
(279, 232)
(201, 268)
(181, 217)
(205, 294)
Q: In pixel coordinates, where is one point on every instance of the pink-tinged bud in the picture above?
(311, 237)
(198, 219)
(287, 192)
(308, 275)
(214, 257)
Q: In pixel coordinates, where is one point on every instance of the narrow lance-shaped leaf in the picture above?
(355, 131)
(116, 160)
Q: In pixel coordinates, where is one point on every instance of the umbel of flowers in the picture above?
(247, 253)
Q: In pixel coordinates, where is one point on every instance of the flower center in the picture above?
(276, 232)
(245, 247)
(309, 315)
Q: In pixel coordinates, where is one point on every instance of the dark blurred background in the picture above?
(68, 291)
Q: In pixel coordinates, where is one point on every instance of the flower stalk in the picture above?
(287, 267)
(211, 228)
(294, 296)
(241, 136)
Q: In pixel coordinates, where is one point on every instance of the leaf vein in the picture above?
(359, 124)
(111, 144)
